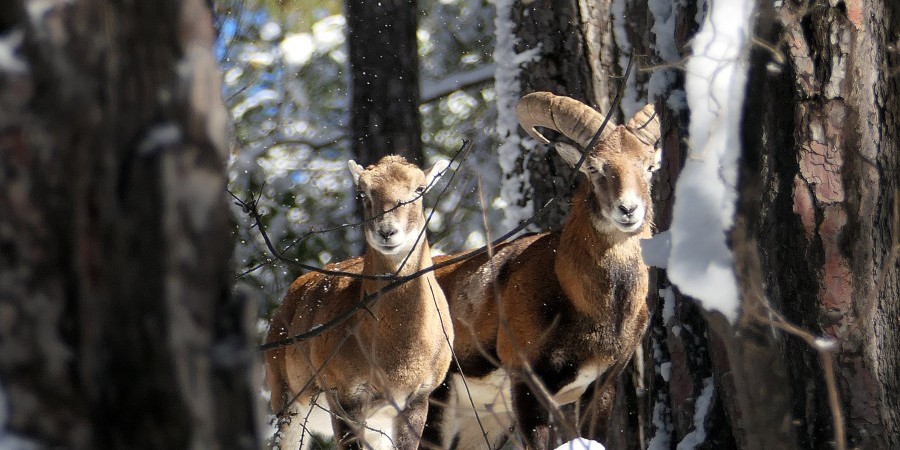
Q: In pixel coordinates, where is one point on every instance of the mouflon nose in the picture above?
(386, 233)
(628, 208)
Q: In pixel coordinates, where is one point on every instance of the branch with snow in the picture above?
(431, 90)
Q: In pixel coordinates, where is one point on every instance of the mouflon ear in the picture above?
(657, 159)
(356, 170)
(435, 173)
(570, 154)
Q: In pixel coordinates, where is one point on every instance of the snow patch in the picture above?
(663, 428)
(297, 49)
(10, 44)
(270, 31)
(329, 32)
(261, 59)
(677, 100)
(664, 16)
(665, 371)
(581, 444)
(661, 419)
(662, 79)
(701, 409)
(629, 104)
(701, 264)
(668, 295)
(656, 250)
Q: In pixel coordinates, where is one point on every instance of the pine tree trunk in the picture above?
(831, 169)
(384, 79)
(117, 325)
(812, 241)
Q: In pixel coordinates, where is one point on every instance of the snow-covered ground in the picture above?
(581, 444)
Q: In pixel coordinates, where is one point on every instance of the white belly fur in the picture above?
(572, 391)
(491, 396)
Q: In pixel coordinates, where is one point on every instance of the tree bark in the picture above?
(119, 329)
(575, 60)
(812, 241)
(384, 79)
(826, 237)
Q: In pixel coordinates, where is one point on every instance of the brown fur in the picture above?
(566, 301)
(396, 355)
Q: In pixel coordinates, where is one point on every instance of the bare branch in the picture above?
(315, 145)
(435, 89)
(824, 348)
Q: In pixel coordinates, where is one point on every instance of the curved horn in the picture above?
(566, 115)
(645, 125)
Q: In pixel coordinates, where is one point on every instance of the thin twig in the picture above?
(824, 349)
(311, 381)
(464, 151)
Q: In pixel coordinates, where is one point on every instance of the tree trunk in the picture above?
(812, 242)
(118, 328)
(575, 59)
(384, 79)
(826, 235)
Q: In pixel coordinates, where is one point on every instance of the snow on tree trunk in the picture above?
(117, 325)
(567, 44)
(812, 240)
(515, 187)
(701, 264)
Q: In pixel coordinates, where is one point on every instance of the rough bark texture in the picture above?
(384, 85)
(575, 60)
(117, 325)
(832, 144)
(812, 240)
